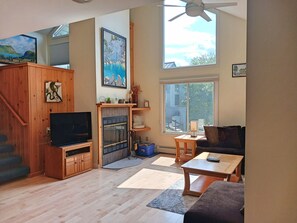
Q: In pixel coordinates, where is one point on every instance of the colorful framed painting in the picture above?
(18, 49)
(113, 59)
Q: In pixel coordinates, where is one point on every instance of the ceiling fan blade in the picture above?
(175, 17)
(205, 16)
(187, 1)
(171, 5)
(218, 5)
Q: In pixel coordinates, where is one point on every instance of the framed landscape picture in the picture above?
(18, 49)
(239, 70)
(113, 59)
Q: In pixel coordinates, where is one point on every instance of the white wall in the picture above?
(83, 62)
(148, 71)
(42, 52)
(119, 23)
(271, 149)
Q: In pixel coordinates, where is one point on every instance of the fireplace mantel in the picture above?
(111, 105)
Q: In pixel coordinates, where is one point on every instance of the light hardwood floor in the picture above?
(100, 195)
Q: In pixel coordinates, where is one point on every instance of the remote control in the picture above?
(213, 159)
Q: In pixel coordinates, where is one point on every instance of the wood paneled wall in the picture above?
(23, 86)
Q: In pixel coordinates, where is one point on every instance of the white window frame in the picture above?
(209, 78)
(214, 11)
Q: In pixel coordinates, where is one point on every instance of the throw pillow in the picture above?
(211, 134)
(229, 136)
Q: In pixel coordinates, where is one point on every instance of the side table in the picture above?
(187, 154)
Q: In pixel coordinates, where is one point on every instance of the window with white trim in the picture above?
(189, 101)
(188, 41)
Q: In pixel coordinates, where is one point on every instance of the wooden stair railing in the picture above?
(14, 113)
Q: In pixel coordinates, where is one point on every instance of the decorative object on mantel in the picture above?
(239, 70)
(101, 99)
(135, 90)
(121, 101)
(53, 91)
(114, 62)
(108, 100)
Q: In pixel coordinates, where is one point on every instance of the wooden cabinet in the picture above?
(22, 87)
(138, 111)
(67, 161)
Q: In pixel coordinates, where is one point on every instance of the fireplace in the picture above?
(114, 126)
(115, 134)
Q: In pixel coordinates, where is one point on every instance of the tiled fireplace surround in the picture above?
(114, 151)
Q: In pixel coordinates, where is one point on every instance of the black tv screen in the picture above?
(70, 128)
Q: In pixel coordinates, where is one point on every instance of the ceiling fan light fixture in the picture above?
(194, 10)
(82, 1)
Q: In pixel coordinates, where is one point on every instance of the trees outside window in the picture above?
(196, 101)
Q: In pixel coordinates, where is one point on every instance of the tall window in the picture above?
(188, 41)
(185, 102)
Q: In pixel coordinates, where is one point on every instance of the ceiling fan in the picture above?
(195, 8)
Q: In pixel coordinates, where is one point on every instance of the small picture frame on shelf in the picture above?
(146, 104)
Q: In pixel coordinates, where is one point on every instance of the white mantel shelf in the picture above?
(111, 105)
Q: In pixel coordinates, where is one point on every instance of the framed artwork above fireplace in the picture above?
(113, 59)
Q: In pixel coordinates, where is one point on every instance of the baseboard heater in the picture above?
(166, 149)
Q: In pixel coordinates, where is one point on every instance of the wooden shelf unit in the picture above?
(67, 161)
(138, 110)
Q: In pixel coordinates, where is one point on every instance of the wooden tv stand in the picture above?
(67, 161)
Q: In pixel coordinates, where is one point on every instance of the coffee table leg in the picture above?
(187, 182)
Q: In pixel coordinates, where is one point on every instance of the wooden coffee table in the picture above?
(210, 171)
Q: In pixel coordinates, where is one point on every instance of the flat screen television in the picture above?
(70, 128)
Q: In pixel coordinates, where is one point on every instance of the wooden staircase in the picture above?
(11, 167)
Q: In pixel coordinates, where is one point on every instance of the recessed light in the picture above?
(82, 1)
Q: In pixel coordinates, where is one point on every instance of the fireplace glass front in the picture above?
(115, 133)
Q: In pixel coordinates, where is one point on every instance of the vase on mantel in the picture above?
(135, 90)
(135, 99)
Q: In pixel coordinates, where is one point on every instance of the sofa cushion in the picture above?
(220, 203)
(229, 136)
(217, 149)
(211, 134)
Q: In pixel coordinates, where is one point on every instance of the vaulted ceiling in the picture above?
(23, 16)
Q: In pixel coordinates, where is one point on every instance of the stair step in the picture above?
(10, 161)
(15, 173)
(3, 138)
(6, 148)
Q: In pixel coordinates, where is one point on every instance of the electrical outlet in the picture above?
(48, 130)
(146, 138)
